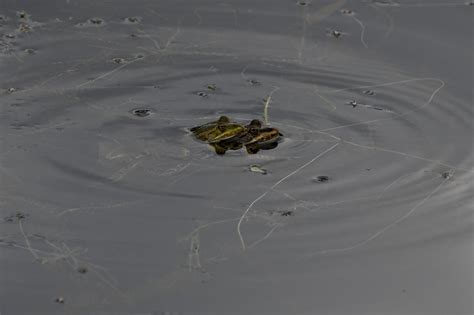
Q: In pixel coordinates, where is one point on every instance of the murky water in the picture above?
(110, 206)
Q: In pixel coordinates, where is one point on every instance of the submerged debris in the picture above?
(224, 135)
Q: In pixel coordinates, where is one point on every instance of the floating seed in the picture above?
(16, 217)
(253, 82)
(118, 60)
(322, 179)
(132, 19)
(336, 34)
(96, 21)
(212, 87)
(447, 175)
(257, 169)
(141, 112)
(24, 28)
(22, 14)
(82, 270)
(369, 92)
(353, 103)
(347, 12)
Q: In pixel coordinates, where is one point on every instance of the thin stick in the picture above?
(267, 103)
(275, 185)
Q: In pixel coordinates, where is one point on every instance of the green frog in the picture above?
(210, 130)
(263, 139)
(237, 138)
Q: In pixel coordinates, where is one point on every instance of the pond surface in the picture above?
(109, 205)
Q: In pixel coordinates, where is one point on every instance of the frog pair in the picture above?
(224, 135)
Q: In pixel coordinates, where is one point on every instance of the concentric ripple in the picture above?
(95, 124)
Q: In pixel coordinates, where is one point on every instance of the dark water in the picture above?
(365, 207)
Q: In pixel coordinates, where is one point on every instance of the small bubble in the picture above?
(141, 112)
(11, 90)
(202, 94)
(59, 300)
(10, 36)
